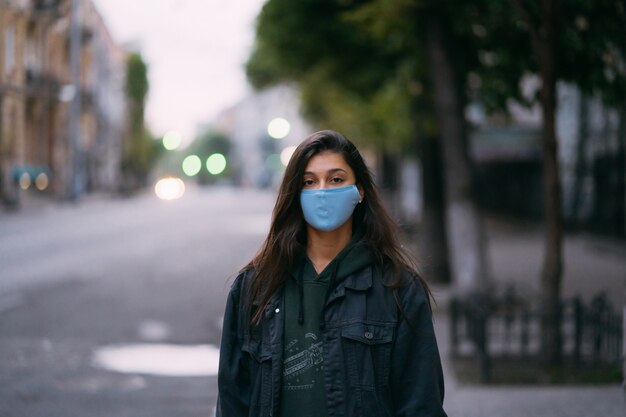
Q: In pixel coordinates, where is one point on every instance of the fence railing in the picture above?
(485, 328)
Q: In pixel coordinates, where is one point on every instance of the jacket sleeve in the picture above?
(233, 377)
(416, 374)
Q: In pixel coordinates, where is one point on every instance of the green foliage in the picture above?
(141, 150)
(365, 121)
(136, 87)
(590, 48)
(593, 48)
(347, 82)
(294, 37)
(358, 62)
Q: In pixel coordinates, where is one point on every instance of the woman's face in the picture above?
(327, 170)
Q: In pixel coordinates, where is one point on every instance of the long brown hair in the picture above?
(286, 240)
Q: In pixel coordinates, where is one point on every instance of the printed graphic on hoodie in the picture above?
(303, 363)
(303, 383)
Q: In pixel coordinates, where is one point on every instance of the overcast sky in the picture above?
(195, 50)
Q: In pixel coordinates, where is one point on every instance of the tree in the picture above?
(465, 232)
(350, 82)
(479, 51)
(544, 43)
(484, 44)
(140, 150)
(580, 42)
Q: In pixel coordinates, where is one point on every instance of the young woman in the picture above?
(329, 318)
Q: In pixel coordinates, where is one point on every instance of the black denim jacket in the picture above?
(378, 360)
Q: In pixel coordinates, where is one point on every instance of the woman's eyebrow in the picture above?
(330, 171)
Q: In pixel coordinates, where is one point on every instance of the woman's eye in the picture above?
(336, 180)
(308, 182)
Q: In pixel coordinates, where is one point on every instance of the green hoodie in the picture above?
(303, 393)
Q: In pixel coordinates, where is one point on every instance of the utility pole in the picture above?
(75, 170)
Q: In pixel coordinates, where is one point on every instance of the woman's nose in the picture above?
(323, 185)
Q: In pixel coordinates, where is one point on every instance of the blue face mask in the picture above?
(329, 208)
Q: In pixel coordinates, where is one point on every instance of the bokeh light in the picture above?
(169, 188)
(25, 181)
(41, 181)
(278, 128)
(216, 163)
(192, 165)
(172, 140)
(286, 153)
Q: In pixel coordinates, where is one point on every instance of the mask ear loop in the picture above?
(360, 196)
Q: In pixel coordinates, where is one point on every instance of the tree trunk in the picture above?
(622, 150)
(389, 167)
(432, 238)
(622, 156)
(465, 234)
(545, 44)
(543, 40)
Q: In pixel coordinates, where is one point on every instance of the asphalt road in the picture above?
(105, 273)
(113, 307)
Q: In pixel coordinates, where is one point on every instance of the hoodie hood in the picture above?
(354, 257)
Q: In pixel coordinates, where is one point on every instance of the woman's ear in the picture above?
(361, 192)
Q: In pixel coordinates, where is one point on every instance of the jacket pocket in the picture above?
(258, 350)
(367, 353)
(260, 365)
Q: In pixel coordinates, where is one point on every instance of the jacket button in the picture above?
(369, 335)
(277, 310)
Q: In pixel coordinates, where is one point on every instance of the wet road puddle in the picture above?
(158, 359)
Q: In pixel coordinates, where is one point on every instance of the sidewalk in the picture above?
(591, 264)
(463, 400)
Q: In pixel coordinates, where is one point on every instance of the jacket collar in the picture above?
(359, 281)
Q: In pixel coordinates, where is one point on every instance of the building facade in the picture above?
(40, 152)
(592, 158)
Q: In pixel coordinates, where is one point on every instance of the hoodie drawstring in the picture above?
(331, 287)
(301, 296)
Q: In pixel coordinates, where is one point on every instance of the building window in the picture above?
(9, 48)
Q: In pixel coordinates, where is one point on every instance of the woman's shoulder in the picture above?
(408, 282)
(242, 280)
(399, 275)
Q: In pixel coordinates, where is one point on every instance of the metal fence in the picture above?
(485, 328)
